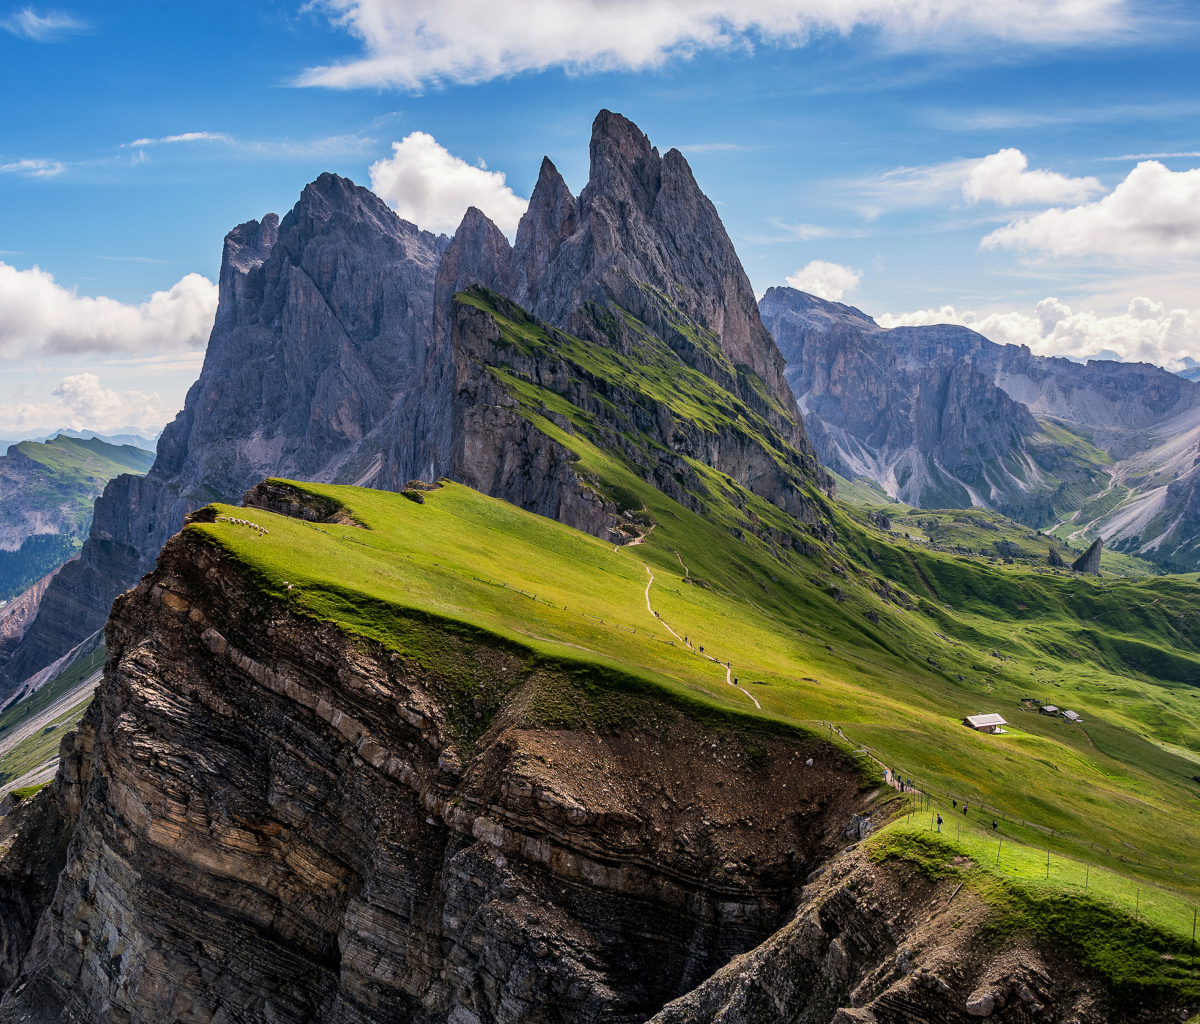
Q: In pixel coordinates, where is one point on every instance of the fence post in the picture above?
(1087, 870)
(998, 849)
(1047, 862)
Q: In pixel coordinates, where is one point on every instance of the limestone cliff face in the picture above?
(271, 821)
(318, 367)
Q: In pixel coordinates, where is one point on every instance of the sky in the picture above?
(1028, 167)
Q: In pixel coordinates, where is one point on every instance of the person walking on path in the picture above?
(994, 825)
(964, 808)
(939, 822)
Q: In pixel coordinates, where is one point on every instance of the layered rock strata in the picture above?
(269, 820)
(880, 943)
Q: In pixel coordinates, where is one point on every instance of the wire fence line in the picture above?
(894, 779)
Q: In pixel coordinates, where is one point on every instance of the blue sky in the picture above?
(972, 168)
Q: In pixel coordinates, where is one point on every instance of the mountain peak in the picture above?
(623, 163)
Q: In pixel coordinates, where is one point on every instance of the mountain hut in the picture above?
(985, 723)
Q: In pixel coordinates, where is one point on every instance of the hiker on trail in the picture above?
(909, 782)
(964, 808)
(955, 802)
(939, 822)
(994, 825)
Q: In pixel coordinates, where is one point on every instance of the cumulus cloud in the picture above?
(1147, 331)
(413, 43)
(42, 28)
(825, 280)
(1004, 178)
(428, 185)
(82, 403)
(33, 168)
(38, 317)
(1154, 212)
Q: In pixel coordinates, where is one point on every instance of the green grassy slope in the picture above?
(57, 490)
(796, 634)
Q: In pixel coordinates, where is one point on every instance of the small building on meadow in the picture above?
(1072, 716)
(1048, 709)
(985, 723)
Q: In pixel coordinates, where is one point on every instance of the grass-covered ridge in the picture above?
(799, 639)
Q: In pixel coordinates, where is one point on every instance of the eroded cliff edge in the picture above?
(269, 819)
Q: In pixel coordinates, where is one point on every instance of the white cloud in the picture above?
(41, 318)
(825, 280)
(1004, 178)
(426, 184)
(1154, 212)
(185, 137)
(33, 168)
(42, 28)
(81, 403)
(1147, 331)
(413, 43)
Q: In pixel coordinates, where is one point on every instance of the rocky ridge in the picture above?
(332, 356)
(262, 818)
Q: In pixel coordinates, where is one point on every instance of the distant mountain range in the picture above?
(123, 437)
(47, 490)
(940, 417)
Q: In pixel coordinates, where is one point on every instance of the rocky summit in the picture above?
(335, 357)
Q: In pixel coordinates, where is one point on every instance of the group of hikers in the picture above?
(905, 785)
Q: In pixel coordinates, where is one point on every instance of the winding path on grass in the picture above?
(659, 618)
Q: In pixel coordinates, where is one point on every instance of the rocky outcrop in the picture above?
(271, 820)
(879, 943)
(18, 614)
(1089, 561)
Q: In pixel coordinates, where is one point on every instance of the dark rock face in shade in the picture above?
(1089, 561)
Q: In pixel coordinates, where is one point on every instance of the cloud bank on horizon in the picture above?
(1147, 332)
(40, 318)
(81, 402)
(412, 44)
